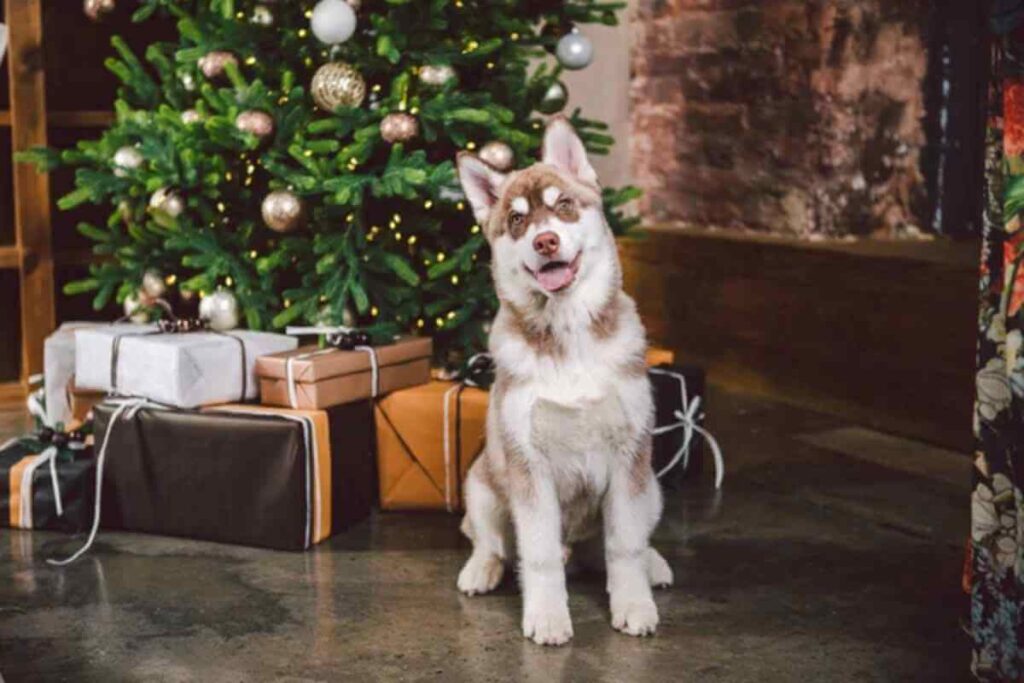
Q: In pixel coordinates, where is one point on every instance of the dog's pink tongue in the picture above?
(553, 279)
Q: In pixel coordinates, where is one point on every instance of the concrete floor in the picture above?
(818, 562)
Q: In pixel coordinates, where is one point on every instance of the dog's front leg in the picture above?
(631, 508)
(538, 522)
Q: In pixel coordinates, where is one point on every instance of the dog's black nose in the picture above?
(546, 243)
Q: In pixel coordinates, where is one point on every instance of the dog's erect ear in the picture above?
(564, 150)
(480, 182)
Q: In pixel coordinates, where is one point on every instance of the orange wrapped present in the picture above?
(427, 437)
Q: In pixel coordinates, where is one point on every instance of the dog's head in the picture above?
(545, 223)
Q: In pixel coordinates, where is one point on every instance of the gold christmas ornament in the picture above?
(168, 201)
(212, 64)
(436, 75)
(399, 127)
(153, 285)
(337, 84)
(98, 9)
(259, 123)
(497, 154)
(283, 211)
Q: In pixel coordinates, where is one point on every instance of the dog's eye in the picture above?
(516, 219)
(564, 205)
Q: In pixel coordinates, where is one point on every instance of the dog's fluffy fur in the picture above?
(570, 418)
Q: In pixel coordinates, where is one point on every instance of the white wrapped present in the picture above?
(185, 370)
(58, 369)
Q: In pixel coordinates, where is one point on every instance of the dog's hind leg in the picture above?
(486, 524)
(658, 571)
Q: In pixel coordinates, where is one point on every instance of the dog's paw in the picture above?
(548, 626)
(481, 575)
(637, 618)
(658, 571)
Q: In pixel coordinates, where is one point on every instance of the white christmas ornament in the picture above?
(333, 21)
(153, 284)
(220, 309)
(135, 309)
(168, 201)
(575, 51)
(126, 159)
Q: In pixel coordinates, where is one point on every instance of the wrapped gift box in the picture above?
(676, 388)
(28, 498)
(184, 370)
(416, 469)
(58, 369)
(329, 376)
(243, 474)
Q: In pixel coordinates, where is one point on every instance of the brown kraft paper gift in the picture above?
(326, 377)
(414, 469)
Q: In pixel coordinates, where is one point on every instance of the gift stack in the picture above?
(245, 437)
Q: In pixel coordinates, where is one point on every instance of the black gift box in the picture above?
(249, 475)
(75, 471)
(668, 399)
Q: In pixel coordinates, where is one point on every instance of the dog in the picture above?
(568, 454)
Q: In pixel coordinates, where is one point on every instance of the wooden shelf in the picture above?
(9, 257)
(69, 119)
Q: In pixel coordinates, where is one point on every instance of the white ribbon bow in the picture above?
(289, 365)
(688, 419)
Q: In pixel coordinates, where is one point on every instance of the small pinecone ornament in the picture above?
(259, 123)
(213, 64)
(399, 127)
(97, 10)
(283, 211)
(497, 154)
(337, 84)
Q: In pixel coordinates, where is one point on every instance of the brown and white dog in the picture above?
(570, 417)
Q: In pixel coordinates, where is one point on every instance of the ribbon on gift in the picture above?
(478, 372)
(23, 473)
(126, 408)
(340, 338)
(688, 419)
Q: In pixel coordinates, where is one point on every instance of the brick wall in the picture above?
(792, 116)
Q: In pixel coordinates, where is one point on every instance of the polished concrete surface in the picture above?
(817, 562)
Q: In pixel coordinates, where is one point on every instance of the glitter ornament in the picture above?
(337, 84)
(283, 211)
(399, 127)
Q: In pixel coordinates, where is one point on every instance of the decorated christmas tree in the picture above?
(292, 162)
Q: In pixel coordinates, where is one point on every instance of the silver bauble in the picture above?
(262, 16)
(167, 201)
(574, 51)
(333, 21)
(498, 155)
(399, 127)
(153, 285)
(212, 64)
(220, 310)
(190, 116)
(337, 84)
(126, 159)
(135, 307)
(283, 211)
(555, 98)
(98, 9)
(436, 75)
(259, 123)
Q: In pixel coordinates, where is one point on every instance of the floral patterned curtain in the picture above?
(996, 570)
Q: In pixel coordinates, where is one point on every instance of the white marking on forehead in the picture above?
(551, 195)
(520, 205)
